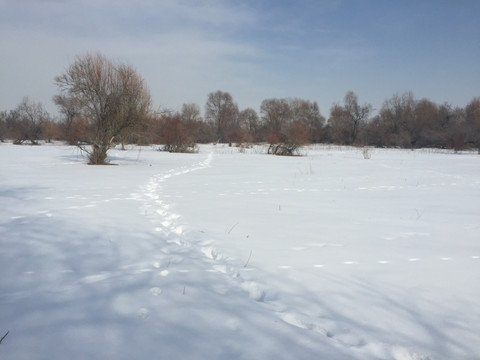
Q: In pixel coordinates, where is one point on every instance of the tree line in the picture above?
(103, 103)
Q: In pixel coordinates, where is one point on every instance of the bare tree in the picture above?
(398, 113)
(223, 112)
(308, 113)
(3, 125)
(275, 114)
(288, 123)
(451, 126)
(345, 121)
(192, 121)
(27, 120)
(191, 112)
(472, 114)
(249, 122)
(111, 97)
(424, 130)
(176, 135)
(50, 131)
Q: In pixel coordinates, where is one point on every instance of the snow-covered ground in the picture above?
(239, 255)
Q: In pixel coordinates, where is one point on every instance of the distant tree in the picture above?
(288, 123)
(249, 122)
(3, 126)
(297, 135)
(445, 114)
(452, 128)
(50, 131)
(69, 109)
(275, 114)
(345, 121)
(472, 117)
(111, 97)
(308, 113)
(398, 115)
(223, 112)
(191, 113)
(376, 132)
(406, 122)
(206, 132)
(192, 120)
(425, 128)
(26, 121)
(175, 135)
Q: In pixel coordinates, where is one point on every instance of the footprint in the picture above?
(210, 253)
(220, 268)
(164, 273)
(45, 212)
(142, 271)
(177, 230)
(161, 212)
(255, 290)
(296, 320)
(399, 353)
(292, 319)
(351, 340)
(144, 313)
(155, 291)
(95, 278)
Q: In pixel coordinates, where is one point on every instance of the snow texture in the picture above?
(239, 255)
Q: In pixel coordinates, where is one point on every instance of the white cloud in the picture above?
(188, 48)
(179, 47)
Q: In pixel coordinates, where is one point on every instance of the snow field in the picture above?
(230, 255)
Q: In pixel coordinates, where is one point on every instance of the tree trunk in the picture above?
(98, 155)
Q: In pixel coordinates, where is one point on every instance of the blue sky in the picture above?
(316, 50)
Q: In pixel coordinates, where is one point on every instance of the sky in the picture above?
(253, 49)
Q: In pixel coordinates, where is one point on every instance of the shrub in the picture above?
(175, 135)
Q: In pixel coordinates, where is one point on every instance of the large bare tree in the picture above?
(112, 97)
(223, 112)
(345, 121)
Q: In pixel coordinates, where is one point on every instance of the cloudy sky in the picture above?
(254, 49)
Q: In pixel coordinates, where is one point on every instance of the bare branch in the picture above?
(4, 336)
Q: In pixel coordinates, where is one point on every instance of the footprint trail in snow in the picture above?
(185, 244)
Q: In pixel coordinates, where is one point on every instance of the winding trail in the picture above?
(184, 245)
